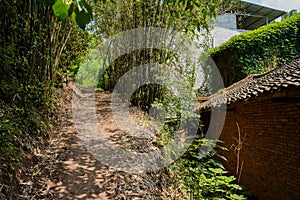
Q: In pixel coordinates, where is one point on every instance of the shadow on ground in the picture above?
(68, 171)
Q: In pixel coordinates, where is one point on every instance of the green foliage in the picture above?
(61, 9)
(35, 48)
(260, 50)
(20, 128)
(113, 18)
(199, 176)
(289, 14)
(9, 152)
(165, 135)
(80, 10)
(89, 71)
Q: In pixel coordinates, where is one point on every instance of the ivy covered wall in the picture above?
(258, 51)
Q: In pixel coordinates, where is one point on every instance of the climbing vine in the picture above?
(260, 50)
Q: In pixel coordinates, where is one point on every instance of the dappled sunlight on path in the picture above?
(68, 170)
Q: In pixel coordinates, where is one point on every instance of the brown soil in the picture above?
(66, 170)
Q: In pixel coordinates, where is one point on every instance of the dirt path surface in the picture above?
(66, 170)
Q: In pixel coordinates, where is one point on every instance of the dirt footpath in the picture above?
(66, 170)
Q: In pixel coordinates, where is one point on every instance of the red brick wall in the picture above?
(271, 149)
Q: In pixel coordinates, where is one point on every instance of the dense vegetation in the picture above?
(115, 17)
(198, 175)
(35, 50)
(258, 51)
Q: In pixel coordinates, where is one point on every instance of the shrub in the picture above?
(199, 176)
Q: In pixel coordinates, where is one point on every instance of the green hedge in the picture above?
(258, 51)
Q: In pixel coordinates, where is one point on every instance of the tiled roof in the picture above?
(284, 77)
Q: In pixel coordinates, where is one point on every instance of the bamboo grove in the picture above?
(120, 16)
(35, 50)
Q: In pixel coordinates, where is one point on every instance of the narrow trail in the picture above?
(66, 170)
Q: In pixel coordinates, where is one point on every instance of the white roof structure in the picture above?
(258, 15)
(254, 17)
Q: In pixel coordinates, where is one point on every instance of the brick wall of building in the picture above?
(270, 134)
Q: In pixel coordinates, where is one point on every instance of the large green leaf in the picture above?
(82, 18)
(61, 9)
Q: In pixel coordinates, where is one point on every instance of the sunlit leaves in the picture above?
(81, 11)
(61, 9)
